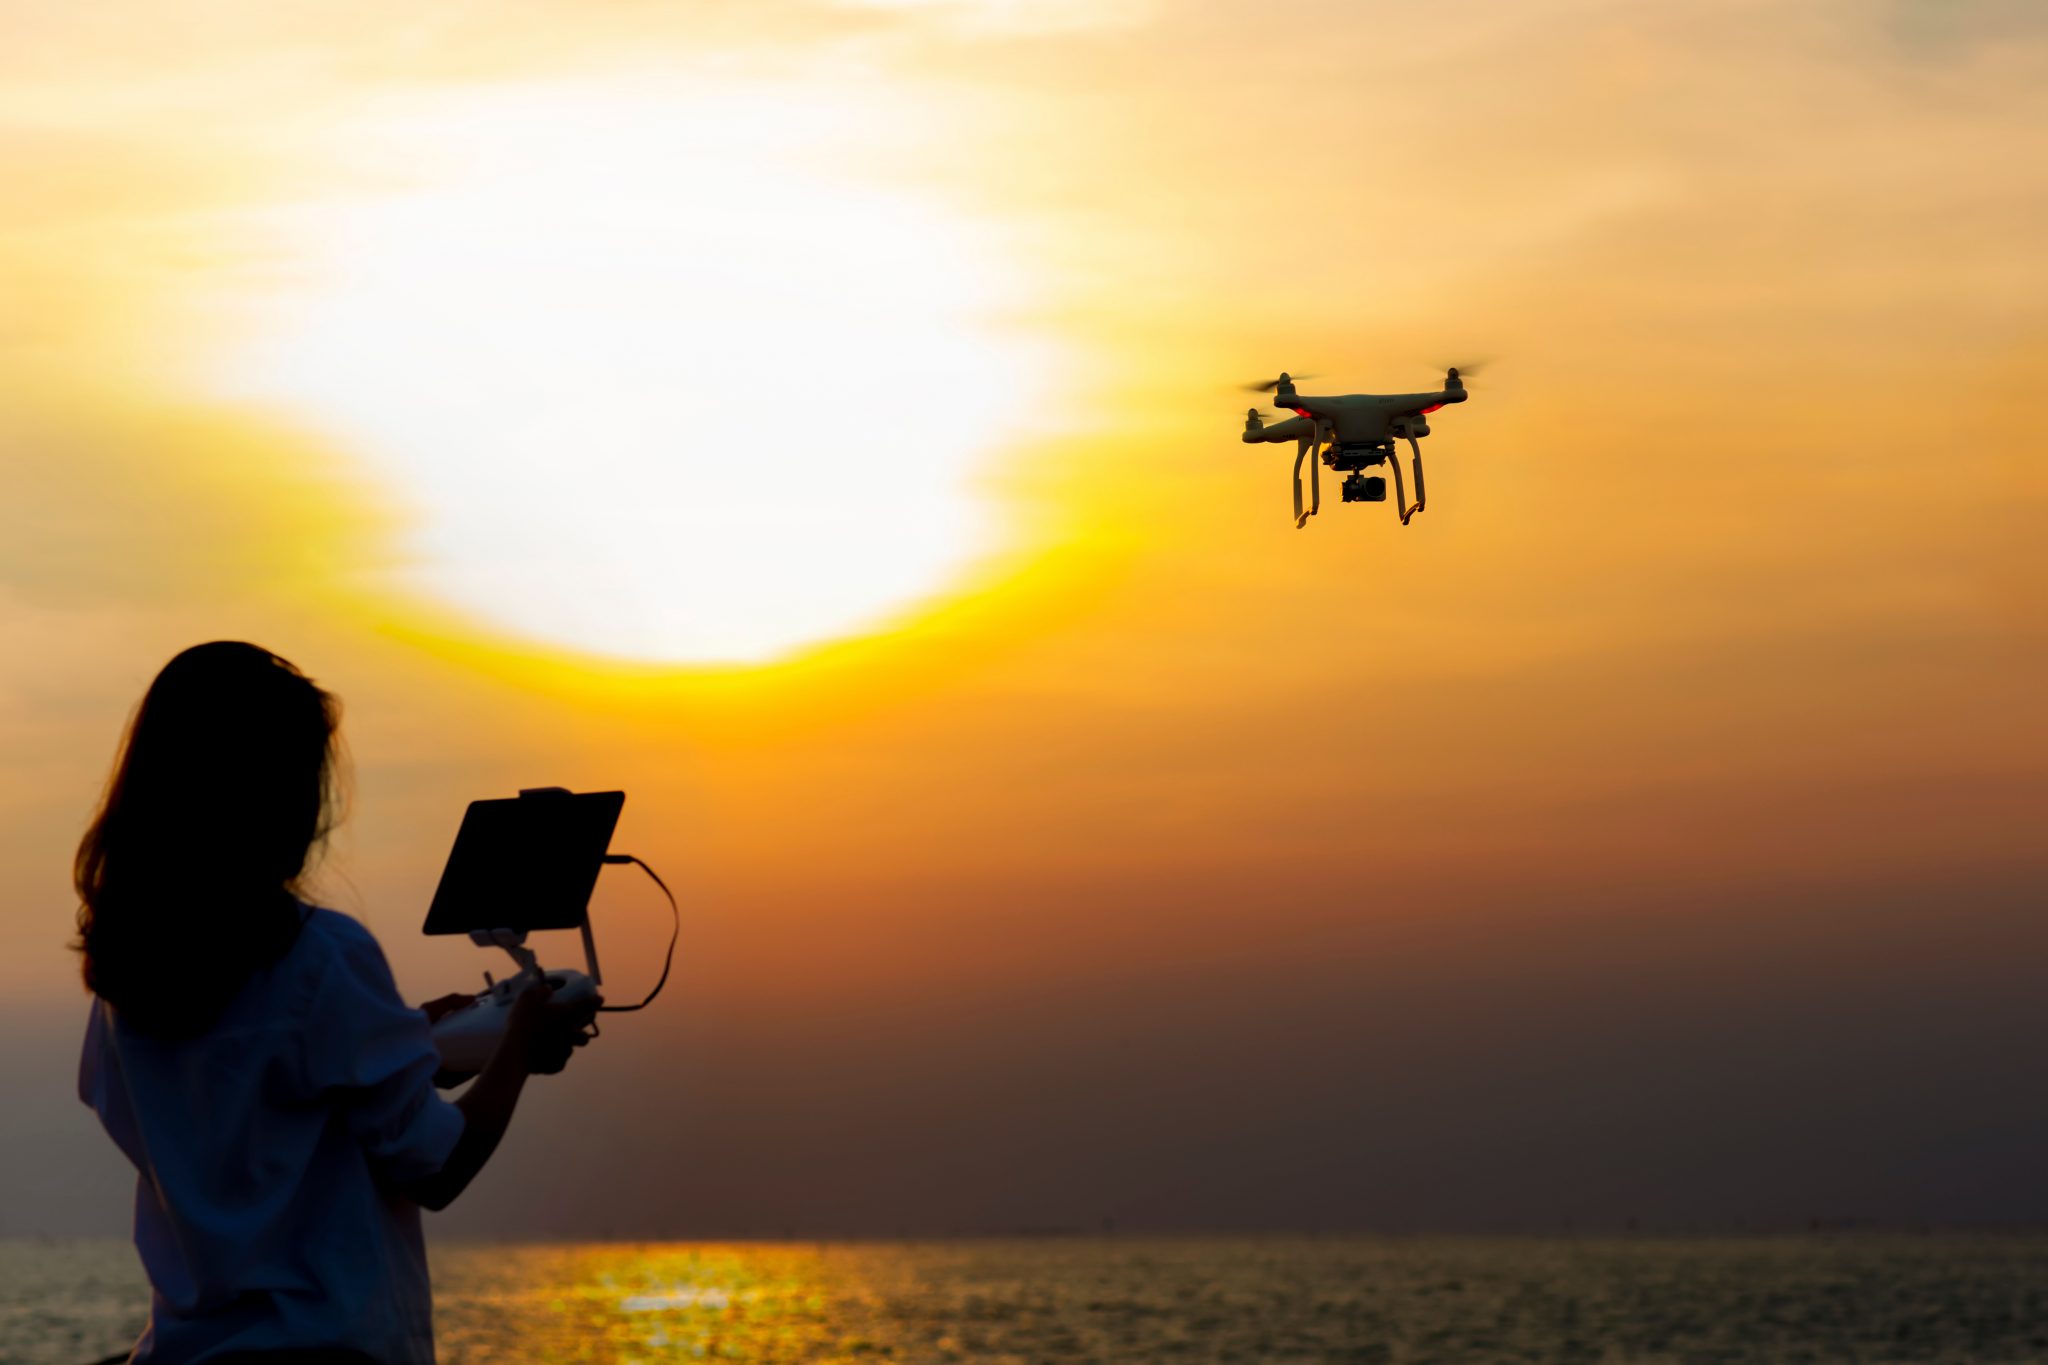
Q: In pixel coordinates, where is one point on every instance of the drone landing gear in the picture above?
(1401, 493)
(1307, 445)
(1353, 458)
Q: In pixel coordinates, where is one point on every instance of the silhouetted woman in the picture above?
(250, 1053)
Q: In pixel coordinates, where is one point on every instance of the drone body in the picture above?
(1351, 434)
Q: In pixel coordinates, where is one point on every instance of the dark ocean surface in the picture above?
(1389, 1301)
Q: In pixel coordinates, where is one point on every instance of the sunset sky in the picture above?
(820, 419)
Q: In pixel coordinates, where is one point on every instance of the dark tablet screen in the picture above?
(527, 862)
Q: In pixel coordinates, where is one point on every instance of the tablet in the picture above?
(525, 862)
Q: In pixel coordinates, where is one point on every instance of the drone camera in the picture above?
(1365, 488)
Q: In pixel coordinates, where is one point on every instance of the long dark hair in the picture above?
(188, 878)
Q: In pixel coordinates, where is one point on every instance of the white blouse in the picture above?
(270, 1149)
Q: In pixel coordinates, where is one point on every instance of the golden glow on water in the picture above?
(1485, 1301)
(745, 1302)
(1205, 1301)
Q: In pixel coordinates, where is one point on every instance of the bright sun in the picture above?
(653, 376)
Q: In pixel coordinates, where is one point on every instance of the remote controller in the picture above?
(467, 1037)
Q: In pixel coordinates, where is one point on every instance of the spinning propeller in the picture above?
(1272, 385)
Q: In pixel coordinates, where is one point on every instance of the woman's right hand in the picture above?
(528, 1017)
(548, 1032)
(567, 1027)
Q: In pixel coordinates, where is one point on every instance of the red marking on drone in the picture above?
(1431, 408)
(1299, 412)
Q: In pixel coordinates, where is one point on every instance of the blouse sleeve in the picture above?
(371, 1054)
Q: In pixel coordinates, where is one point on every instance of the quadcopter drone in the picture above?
(1351, 434)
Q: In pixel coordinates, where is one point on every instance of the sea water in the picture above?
(1388, 1301)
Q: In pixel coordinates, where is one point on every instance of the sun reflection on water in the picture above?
(1392, 1301)
(629, 1303)
(1942, 1299)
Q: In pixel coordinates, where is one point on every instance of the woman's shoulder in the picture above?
(330, 938)
(335, 929)
(340, 968)
(331, 955)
